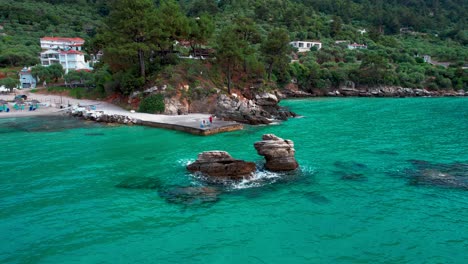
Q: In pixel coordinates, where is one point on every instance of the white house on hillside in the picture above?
(356, 46)
(66, 51)
(62, 43)
(304, 46)
(69, 59)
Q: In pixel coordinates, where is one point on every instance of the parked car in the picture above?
(21, 96)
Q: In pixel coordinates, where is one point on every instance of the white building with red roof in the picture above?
(62, 43)
(66, 51)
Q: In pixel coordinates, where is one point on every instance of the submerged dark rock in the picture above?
(386, 152)
(316, 198)
(350, 165)
(451, 175)
(190, 195)
(354, 177)
(140, 183)
(351, 170)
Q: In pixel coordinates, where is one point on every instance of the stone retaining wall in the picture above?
(100, 116)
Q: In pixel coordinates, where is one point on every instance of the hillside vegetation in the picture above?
(244, 43)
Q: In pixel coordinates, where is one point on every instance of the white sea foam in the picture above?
(185, 162)
(260, 178)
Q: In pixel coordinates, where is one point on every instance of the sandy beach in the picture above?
(55, 101)
(49, 105)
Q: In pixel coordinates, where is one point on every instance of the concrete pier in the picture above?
(197, 124)
(190, 123)
(217, 127)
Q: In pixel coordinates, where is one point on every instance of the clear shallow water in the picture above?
(59, 203)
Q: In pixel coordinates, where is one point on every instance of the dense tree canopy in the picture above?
(138, 39)
(128, 33)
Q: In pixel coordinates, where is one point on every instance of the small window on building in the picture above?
(308, 45)
(301, 45)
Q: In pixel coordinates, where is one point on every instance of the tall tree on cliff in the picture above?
(275, 50)
(129, 33)
(228, 52)
(249, 34)
(201, 29)
(175, 25)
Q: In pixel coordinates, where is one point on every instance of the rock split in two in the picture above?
(278, 153)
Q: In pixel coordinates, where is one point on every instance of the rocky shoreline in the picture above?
(101, 116)
(384, 91)
(263, 109)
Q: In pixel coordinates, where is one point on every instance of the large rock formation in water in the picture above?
(220, 165)
(278, 152)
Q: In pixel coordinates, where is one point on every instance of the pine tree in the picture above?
(275, 50)
(129, 33)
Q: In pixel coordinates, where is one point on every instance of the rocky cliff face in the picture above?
(278, 152)
(261, 110)
(219, 164)
(175, 107)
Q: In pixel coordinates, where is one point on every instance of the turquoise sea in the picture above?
(362, 193)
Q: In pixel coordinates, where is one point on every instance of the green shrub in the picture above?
(170, 90)
(152, 104)
(9, 82)
(77, 93)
